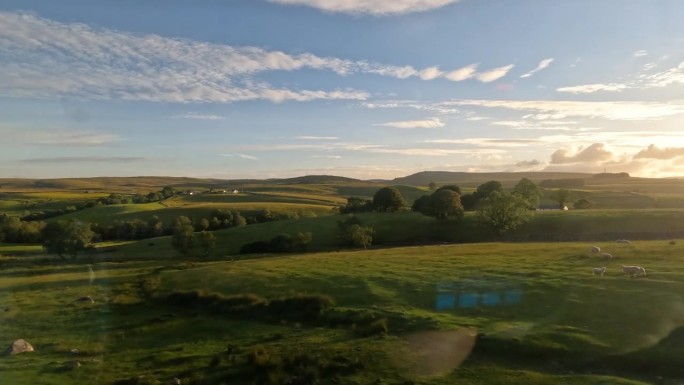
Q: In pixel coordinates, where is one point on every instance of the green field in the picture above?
(562, 326)
(430, 302)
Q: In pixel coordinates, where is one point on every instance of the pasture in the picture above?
(459, 314)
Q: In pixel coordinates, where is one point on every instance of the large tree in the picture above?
(206, 242)
(388, 199)
(446, 204)
(503, 212)
(527, 190)
(67, 237)
(183, 235)
(562, 196)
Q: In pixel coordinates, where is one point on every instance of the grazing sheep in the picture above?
(634, 271)
(607, 255)
(599, 271)
(622, 241)
(595, 249)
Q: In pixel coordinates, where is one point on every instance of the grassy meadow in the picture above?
(430, 302)
(563, 325)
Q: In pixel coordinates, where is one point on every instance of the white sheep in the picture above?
(634, 271)
(599, 271)
(595, 249)
(607, 255)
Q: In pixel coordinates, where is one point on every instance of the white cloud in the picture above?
(495, 74)
(42, 58)
(542, 64)
(326, 156)
(591, 88)
(372, 7)
(192, 115)
(651, 162)
(430, 73)
(640, 53)
(427, 123)
(461, 74)
(673, 75)
(654, 152)
(618, 110)
(595, 153)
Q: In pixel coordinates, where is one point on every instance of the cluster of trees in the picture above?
(155, 196)
(283, 243)
(14, 230)
(189, 243)
(51, 213)
(386, 199)
(444, 203)
(496, 208)
(351, 233)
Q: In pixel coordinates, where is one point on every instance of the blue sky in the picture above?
(358, 88)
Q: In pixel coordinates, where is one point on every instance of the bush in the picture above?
(305, 308)
(582, 204)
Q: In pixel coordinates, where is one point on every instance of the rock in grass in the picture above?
(19, 346)
(87, 298)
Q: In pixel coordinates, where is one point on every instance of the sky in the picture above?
(369, 89)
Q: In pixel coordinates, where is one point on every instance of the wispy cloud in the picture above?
(58, 137)
(42, 58)
(374, 7)
(494, 74)
(238, 155)
(461, 74)
(640, 53)
(430, 73)
(192, 115)
(616, 110)
(434, 151)
(307, 137)
(542, 64)
(426, 123)
(488, 142)
(671, 76)
(86, 159)
(591, 88)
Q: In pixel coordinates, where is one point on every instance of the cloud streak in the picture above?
(86, 159)
(58, 137)
(494, 74)
(41, 58)
(618, 110)
(196, 116)
(374, 7)
(542, 65)
(409, 124)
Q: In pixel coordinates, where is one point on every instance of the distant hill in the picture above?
(317, 179)
(109, 183)
(474, 179)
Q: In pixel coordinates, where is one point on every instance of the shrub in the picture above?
(583, 203)
(301, 307)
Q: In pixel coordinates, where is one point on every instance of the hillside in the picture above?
(474, 179)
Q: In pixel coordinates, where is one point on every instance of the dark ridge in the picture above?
(472, 179)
